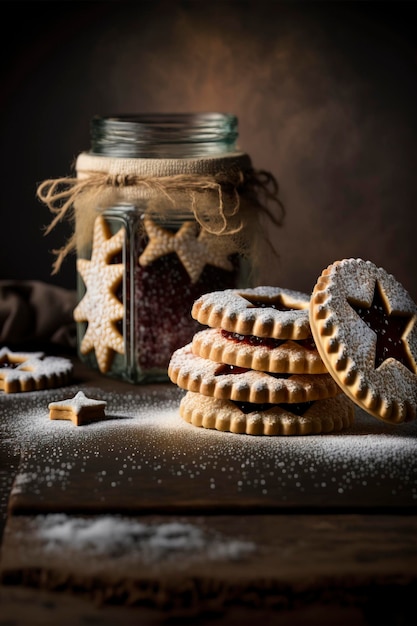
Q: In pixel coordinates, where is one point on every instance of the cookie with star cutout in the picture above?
(32, 371)
(264, 354)
(228, 382)
(263, 311)
(305, 418)
(364, 324)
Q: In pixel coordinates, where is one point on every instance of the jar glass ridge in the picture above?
(163, 135)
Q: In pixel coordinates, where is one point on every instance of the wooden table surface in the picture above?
(145, 519)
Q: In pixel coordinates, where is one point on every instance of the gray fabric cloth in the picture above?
(34, 312)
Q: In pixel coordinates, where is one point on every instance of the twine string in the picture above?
(230, 187)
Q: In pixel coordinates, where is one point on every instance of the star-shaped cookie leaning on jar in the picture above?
(100, 307)
(194, 249)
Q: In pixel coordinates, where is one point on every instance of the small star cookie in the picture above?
(80, 410)
(100, 307)
(195, 250)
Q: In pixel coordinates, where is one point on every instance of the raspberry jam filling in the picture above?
(268, 342)
(230, 369)
(298, 408)
(388, 328)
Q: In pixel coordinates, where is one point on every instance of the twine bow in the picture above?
(61, 194)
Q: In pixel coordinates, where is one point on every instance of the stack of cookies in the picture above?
(254, 368)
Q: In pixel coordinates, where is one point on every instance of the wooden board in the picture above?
(210, 564)
(255, 510)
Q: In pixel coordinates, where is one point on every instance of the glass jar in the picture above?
(160, 220)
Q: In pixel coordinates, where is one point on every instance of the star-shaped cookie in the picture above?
(79, 409)
(100, 307)
(194, 249)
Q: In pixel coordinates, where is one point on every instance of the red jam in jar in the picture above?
(163, 214)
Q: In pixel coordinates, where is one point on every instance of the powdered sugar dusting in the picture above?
(121, 537)
(145, 450)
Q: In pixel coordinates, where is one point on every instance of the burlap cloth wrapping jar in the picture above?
(165, 208)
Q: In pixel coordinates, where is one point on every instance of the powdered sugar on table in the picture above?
(144, 457)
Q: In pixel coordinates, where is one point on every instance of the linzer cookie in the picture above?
(32, 371)
(364, 324)
(228, 382)
(307, 418)
(259, 353)
(263, 311)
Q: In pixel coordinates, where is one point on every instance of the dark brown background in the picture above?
(326, 95)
